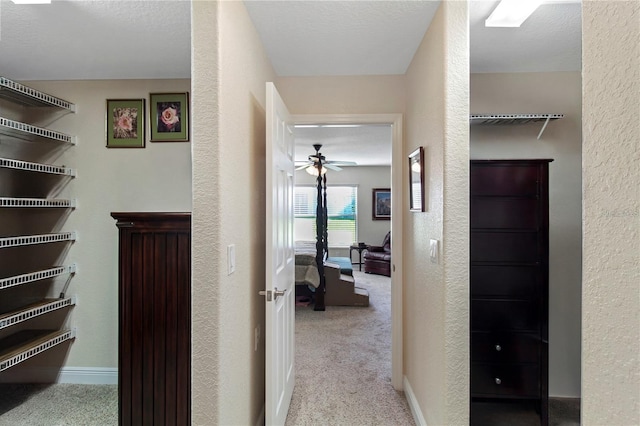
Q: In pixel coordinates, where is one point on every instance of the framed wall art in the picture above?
(416, 180)
(125, 123)
(381, 203)
(169, 117)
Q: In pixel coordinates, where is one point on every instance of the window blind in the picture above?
(342, 214)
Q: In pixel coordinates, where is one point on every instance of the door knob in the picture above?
(272, 295)
(266, 293)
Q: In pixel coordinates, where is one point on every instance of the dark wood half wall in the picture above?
(155, 318)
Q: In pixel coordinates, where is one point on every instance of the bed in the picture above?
(339, 288)
(306, 265)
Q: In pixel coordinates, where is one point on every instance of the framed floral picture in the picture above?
(125, 123)
(169, 117)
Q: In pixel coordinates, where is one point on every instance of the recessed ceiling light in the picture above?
(511, 13)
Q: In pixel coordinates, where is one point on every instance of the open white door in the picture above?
(280, 266)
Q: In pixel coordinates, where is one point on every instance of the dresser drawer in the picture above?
(502, 281)
(502, 315)
(505, 347)
(504, 247)
(504, 213)
(505, 380)
(519, 180)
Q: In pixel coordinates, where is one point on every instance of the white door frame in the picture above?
(397, 194)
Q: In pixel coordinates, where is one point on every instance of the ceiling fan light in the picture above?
(511, 13)
(313, 170)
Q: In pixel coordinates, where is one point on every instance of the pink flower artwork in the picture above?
(125, 123)
(168, 117)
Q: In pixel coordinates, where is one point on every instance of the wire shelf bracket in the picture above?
(504, 119)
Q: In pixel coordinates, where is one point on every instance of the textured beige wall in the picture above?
(229, 70)
(156, 178)
(611, 218)
(379, 94)
(561, 141)
(436, 299)
(206, 217)
(455, 246)
(424, 293)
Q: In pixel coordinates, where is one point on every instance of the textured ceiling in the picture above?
(95, 39)
(549, 40)
(306, 38)
(115, 39)
(150, 39)
(367, 145)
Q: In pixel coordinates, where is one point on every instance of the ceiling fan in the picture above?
(317, 159)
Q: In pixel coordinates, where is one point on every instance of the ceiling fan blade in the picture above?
(304, 166)
(332, 167)
(342, 163)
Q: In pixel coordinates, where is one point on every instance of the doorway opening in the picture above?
(395, 123)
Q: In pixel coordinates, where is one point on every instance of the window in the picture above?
(341, 209)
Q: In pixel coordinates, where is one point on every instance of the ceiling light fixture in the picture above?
(313, 170)
(31, 1)
(511, 13)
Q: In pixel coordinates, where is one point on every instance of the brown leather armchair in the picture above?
(377, 259)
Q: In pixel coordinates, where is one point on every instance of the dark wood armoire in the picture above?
(154, 361)
(509, 281)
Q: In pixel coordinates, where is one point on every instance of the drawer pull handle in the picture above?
(498, 381)
(498, 348)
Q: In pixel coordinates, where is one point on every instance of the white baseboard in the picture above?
(413, 403)
(76, 375)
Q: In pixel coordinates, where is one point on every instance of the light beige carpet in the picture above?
(58, 405)
(343, 368)
(343, 363)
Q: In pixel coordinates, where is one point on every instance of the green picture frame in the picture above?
(125, 123)
(169, 117)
